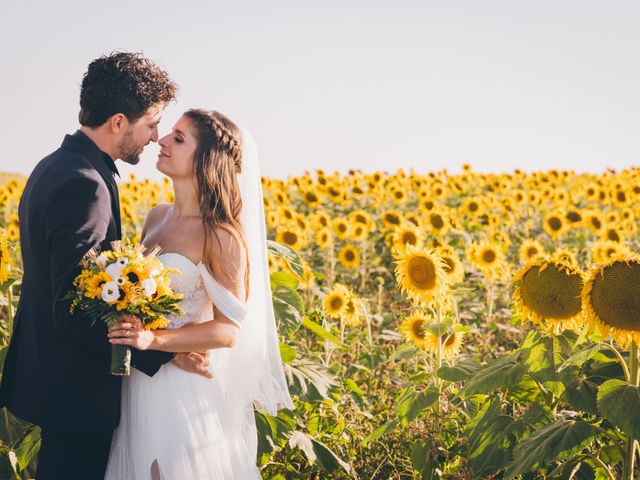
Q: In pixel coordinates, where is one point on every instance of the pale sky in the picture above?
(348, 84)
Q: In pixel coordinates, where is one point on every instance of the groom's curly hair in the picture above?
(122, 82)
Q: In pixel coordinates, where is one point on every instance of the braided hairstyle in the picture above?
(217, 160)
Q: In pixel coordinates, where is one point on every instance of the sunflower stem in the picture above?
(621, 360)
(630, 456)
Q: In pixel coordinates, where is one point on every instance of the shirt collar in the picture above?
(107, 158)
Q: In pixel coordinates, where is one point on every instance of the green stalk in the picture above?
(630, 455)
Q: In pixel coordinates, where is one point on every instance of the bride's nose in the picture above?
(162, 142)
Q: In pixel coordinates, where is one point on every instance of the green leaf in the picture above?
(502, 372)
(619, 402)
(288, 353)
(289, 310)
(28, 447)
(582, 393)
(406, 350)
(283, 251)
(489, 446)
(328, 459)
(411, 403)
(580, 357)
(460, 371)
(381, 431)
(284, 279)
(307, 374)
(553, 442)
(422, 459)
(321, 331)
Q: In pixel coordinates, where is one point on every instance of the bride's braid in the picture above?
(217, 160)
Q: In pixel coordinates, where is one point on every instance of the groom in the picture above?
(56, 369)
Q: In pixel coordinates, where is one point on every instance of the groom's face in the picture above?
(138, 135)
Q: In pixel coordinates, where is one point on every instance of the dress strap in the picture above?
(223, 299)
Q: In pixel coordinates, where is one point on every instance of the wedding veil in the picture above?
(251, 372)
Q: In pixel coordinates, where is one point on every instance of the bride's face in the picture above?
(177, 150)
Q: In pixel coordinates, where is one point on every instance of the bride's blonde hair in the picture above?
(217, 160)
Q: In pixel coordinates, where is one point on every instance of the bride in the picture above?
(176, 425)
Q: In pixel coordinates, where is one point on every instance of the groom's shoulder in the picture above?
(65, 164)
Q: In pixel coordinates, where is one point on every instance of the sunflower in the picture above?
(291, 237)
(566, 255)
(531, 249)
(611, 298)
(412, 328)
(335, 302)
(451, 343)
(614, 234)
(487, 258)
(420, 274)
(349, 256)
(361, 216)
(312, 198)
(453, 265)
(359, 232)
(594, 221)
(405, 234)
(160, 322)
(324, 238)
(351, 314)
(399, 195)
(547, 291)
(320, 219)
(341, 228)
(603, 251)
(437, 222)
(554, 224)
(13, 232)
(391, 218)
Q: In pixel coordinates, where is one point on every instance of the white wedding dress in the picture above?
(180, 421)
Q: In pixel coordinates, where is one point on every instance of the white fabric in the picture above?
(225, 301)
(198, 428)
(183, 421)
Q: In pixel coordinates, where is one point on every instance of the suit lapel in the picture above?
(83, 145)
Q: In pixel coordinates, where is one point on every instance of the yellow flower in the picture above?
(93, 284)
(420, 274)
(160, 322)
(453, 267)
(349, 256)
(407, 234)
(341, 228)
(611, 298)
(531, 249)
(412, 328)
(335, 302)
(547, 291)
(290, 236)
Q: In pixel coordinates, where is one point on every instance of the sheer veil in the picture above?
(251, 372)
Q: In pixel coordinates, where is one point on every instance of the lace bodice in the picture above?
(196, 304)
(200, 291)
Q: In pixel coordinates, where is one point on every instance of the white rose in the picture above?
(114, 269)
(149, 285)
(110, 292)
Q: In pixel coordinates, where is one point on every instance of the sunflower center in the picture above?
(349, 255)
(555, 223)
(615, 296)
(417, 329)
(489, 256)
(336, 303)
(290, 238)
(422, 273)
(449, 265)
(532, 251)
(410, 238)
(437, 221)
(552, 293)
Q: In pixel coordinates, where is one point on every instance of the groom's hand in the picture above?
(195, 362)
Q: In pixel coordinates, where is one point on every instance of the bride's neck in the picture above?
(185, 203)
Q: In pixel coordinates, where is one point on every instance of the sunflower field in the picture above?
(432, 326)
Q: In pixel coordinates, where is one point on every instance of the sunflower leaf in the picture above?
(321, 331)
(619, 402)
(283, 251)
(411, 403)
(503, 372)
(553, 442)
(288, 308)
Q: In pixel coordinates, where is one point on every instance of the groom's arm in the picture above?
(149, 361)
(77, 220)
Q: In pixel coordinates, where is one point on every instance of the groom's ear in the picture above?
(118, 123)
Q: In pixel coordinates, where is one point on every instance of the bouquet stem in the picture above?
(120, 360)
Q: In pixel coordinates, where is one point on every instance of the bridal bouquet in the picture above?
(124, 281)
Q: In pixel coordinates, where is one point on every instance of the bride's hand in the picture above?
(130, 331)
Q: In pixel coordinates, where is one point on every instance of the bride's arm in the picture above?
(220, 332)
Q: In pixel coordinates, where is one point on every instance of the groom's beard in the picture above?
(129, 151)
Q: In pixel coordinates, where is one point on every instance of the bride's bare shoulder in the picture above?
(228, 257)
